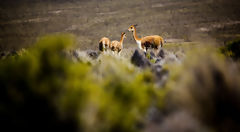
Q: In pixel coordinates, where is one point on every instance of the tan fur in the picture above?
(118, 45)
(154, 41)
(104, 42)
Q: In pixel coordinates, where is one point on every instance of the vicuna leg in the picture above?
(156, 51)
(119, 52)
(145, 51)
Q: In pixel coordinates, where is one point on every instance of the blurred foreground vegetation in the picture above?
(43, 88)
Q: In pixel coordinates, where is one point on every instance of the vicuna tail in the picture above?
(161, 42)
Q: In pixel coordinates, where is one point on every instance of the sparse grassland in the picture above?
(21, 23)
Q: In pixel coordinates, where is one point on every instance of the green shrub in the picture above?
(42, 89)
(232, 49)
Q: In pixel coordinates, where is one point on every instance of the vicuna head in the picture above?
(124, 35)
(132, 27)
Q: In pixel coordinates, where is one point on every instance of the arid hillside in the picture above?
(22, 22)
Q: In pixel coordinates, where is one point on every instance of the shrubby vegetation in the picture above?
(206, 87)
(46, 88)
(43, 89)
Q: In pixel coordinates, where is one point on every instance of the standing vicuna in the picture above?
(147, 42)
(118, 46)
(104, 44)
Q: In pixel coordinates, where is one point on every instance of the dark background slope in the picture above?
(23, 21)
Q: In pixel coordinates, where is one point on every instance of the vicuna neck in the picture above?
(135, 35)
(121, 41)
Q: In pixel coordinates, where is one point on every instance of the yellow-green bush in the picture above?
(207, 87)
(42, 89)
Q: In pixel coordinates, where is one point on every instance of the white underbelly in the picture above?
(139, 44)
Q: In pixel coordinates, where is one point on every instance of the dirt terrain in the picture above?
(22, 22)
